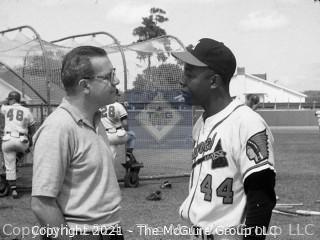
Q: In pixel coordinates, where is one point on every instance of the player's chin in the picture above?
(188, 101)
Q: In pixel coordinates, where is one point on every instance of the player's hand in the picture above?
(30, 141)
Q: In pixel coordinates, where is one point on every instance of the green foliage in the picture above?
(312, 96)
(155, 78)
(150, 25)
(312, 93)
(165, 77)
(150, 29)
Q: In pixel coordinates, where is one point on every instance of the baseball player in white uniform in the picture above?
(19, 124)
(114, 118)
(231, 188)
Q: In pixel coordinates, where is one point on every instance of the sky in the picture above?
(278, 37)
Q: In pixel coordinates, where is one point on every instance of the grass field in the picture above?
(298, 178)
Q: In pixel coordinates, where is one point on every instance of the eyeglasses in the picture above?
(110, 77)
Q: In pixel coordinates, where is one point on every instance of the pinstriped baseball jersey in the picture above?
(17, 118)
(112, 114)
(228, 147)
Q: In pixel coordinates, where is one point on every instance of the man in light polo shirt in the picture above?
(74, 183)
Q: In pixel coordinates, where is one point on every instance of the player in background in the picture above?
(233, 177)
(252, 101)
(114, 118)
(17, 137)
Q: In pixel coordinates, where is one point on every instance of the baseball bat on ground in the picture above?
(299, 212)
(289, 204)
(283, 213)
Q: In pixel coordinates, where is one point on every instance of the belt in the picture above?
(20, 134)
(117, 128)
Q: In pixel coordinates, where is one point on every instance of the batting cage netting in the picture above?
(162, 124)
(149, 82)
(30, 65)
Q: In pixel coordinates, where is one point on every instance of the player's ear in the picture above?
(215, 81)
(84, 85)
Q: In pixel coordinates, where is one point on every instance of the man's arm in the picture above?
(50, 162)
(123, 115)
(49, 214)
(31, 131)
(124, 123)
(3, 102)
(261, 199)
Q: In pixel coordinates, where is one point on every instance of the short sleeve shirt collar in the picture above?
(78, 116)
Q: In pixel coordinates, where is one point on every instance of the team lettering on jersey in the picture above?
(218, 157)
(203, 147)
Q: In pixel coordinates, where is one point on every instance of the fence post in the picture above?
(41, 113)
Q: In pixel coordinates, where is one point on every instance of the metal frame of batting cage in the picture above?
(44, 53)
(94, 34)
(24, 81)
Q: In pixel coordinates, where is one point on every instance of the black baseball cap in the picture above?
(14, 95)
(212, 54)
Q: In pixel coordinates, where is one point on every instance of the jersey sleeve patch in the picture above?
(257, 147)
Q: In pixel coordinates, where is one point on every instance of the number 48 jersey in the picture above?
(17, 118)
(228, 147)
